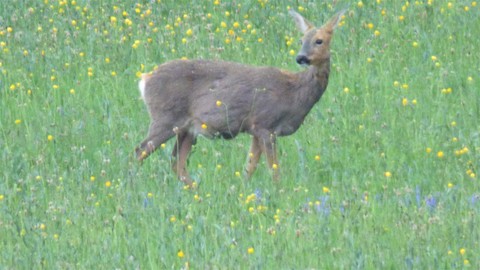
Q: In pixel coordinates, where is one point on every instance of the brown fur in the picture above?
(181, 97)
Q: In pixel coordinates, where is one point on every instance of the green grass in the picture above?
(397, 133)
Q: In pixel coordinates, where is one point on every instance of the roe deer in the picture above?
(186, 98)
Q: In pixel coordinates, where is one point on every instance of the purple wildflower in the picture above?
(258, 195)
(418, 196)
(431, 203)
(323, 208)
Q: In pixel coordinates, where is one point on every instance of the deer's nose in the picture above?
(303, 60)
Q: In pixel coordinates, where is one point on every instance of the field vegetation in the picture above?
(382, 175)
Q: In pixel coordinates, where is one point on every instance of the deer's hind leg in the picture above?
(157, 134)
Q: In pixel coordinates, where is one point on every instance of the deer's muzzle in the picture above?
(303, 60)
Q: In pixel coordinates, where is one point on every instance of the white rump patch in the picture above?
(141, 86)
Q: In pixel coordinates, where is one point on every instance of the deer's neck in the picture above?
(312, 83)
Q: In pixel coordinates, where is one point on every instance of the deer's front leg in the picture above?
(253, 156)
(180, 154)
(268, 145)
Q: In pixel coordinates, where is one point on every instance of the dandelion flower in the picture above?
(388, 174)
(108, 184)
(180, 254)
(250, 250)
(440, 154)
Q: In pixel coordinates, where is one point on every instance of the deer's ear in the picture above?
(333, 22)
(302, 24)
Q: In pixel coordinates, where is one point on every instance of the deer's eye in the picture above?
(318, 41)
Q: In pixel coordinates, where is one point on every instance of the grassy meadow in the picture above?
(383, 174)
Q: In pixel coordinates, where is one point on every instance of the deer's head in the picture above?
(315, 41)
